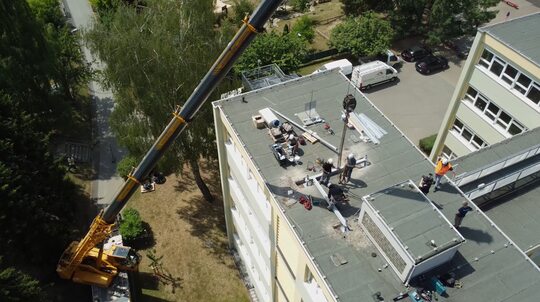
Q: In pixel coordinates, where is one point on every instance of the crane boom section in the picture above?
(77, 251)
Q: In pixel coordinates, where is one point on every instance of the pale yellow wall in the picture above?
(285, 279)
(459, 92)
(506, 100)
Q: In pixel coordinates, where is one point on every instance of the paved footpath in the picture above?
(107, 153)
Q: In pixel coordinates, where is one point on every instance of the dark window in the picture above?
(510, 74)
(467, 135)
(478, 140)
(393, 58)
(487, 56)
(496, 68)
(505, 117)
(458, 125)
(389, 71)
(480, 104)
(524, 81)
(534, 94)
(514, 129)
(472, 92)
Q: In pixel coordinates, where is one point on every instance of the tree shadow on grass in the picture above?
(150, 282)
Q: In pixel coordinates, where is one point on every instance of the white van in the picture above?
(374, 73)
(344, 65)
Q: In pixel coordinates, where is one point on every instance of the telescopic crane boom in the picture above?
(82, 261)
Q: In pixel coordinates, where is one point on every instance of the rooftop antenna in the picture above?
(349, 104)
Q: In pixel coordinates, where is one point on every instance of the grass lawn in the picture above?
(190, 234)
(326, 16)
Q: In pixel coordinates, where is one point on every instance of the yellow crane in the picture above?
(86, 261)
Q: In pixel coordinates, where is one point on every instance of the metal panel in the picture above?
(492, 169)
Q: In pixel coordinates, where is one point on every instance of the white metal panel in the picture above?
(492, 169)
(515, 159)
(506, 181)
(469, 178)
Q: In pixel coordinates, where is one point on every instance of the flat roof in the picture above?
(521, 34)
(486, 264)
(515, 213)
(415, 221)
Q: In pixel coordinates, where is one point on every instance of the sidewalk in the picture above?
(107, 153)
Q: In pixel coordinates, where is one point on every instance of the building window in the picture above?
(495, 114)
(448, 154)
(471, 138)
(511, 76)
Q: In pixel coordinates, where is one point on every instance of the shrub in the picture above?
(241, 9)
(125, 165)
(304, 27)
(426, 144)
(131, 226)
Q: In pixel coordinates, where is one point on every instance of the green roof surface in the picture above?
(489, 268)
(521, 34)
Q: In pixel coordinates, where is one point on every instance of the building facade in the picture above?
(498, 93)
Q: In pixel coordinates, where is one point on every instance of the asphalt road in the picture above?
(417, 103)
(107, 154)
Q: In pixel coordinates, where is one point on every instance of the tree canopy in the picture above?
(155, 58)
(37, 208)
(304, 28)
(287, 51)
(437, 20)
(366, 35)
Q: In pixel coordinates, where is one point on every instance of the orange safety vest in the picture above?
(440, 169)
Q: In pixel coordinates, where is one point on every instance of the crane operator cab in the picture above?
(108, 262)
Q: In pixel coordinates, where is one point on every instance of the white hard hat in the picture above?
(291, 136)
(330, 161)
(445, 161)
(328, 184)
(350, 156)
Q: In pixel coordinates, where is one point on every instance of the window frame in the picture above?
(496, 120)
(457, 130)
(513, 83)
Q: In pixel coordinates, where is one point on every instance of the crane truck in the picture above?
(86, 261)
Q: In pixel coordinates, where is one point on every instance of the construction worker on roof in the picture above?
(441, 168)
(326, 171)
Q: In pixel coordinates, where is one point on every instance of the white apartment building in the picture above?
(376, 246)
(498, 93)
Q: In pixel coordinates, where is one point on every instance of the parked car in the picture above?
(461, 46)
(431, 63)
(414, 53)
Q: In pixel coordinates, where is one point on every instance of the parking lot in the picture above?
(417, 103)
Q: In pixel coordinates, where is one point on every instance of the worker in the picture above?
(350, 163)
(335, 195)
(326, 171)
(293, 144)
(461, 213)
(425, 183)
(441, 168)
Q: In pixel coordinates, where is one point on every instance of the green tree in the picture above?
(242, 8)
(362, 36)
(69, 71)
(155, 59)
(304, 28)
(287, 51)
(16, 286)
(131, 225)
(299, 5)
(355, 8)
(125, 166)
(406, 18)
(450, 19)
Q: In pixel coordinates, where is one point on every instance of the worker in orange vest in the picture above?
(441, 168)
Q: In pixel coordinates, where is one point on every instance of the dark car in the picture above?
(414, 53)
(431, 63)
